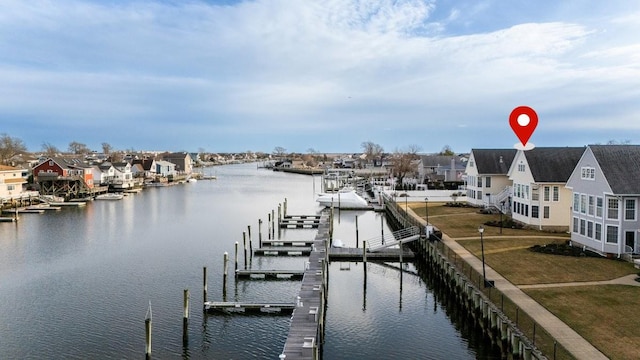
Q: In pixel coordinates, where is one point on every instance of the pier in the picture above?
(270, 274)
(249, 308)
(299, 221)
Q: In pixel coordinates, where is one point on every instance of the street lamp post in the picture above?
(484, 274)
(501, 211)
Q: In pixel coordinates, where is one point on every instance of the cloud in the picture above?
(306, 69)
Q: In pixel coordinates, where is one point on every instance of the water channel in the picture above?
(76, 283)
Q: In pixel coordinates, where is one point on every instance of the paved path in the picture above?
(566, 336)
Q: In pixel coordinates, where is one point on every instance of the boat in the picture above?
(192, 180)
(345, 199)
(110, 196)
(337, 243)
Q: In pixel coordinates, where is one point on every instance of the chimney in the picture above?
(501, 161)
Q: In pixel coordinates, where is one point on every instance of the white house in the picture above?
(606, 193)
(487, 181)
(12, 181)
(540, 198)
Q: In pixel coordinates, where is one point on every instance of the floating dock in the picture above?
(249, 308)
(283, 251)
(270, 274)
(7, 219)
(289, 243)
(299, 222)
(355, 254)
(70, 203)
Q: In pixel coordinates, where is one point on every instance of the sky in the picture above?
(328, 75)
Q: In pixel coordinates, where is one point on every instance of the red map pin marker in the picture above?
(523, 121)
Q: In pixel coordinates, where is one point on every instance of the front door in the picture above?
(630, 240)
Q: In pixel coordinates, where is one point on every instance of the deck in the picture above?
(355, 254)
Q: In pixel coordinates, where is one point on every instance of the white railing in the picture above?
(495, 200)
(394, 238)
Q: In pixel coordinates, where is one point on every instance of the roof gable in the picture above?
(620, 165)
(553, 164)
(493, 161)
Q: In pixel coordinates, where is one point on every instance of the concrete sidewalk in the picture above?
(566, 336)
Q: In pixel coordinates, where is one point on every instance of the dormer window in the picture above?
(588, 173)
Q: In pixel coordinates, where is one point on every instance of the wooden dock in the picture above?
(290, 243)
(270, 274)
(299, 221)
(306, 332)
(69, 203)
(355, 254)
(7, 219)
(283, 251)
(224, 307)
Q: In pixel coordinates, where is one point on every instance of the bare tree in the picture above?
(78, 148)
(372, 150)
(404, 162)
(49, 149)
(446, 150)
(279, 151)
(106, 148)
(10, 147)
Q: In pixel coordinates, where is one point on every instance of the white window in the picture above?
(546, 214)
(599, 204)
(630, 209)
(576, 221)
(591, 205)
(556, 193)
(583, 227)
(487, 182)
(612, 209)
(535, 209)
(612, 234)
(471, 163)
(521, 167)
(479, 182)
(588, 173)
(11, 187)
(576, 203)
(479, 195)
(547, 191)
(583, 204)
(590, 229)
(598, 232)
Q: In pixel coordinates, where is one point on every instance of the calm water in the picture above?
(76, 283)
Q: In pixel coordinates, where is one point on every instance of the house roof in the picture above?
(8, 168)
(553, 164)
(493, 161)
(69, 163)
(442, 161)
(620, 165)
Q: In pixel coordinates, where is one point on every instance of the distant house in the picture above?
(165, 168)
(66, 177)
(123, 176)
(440, 168)
(148, 165)
(540, 198)
(12, 181)
(182, 160)
(487, 181)
(606, 195)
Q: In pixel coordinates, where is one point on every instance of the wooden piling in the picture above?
(147, 330)
(250, 242)
(225, 275)
(364, 252)
(185, 318)
(204, 284)
(259, 233)
(279, 214)
(244, 242)
(357, 241)
(236, 258)
(269, 226)
(382, 227)
(285, 207)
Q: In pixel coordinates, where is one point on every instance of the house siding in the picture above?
(583, 215)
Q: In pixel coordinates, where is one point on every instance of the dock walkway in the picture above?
(307, 322)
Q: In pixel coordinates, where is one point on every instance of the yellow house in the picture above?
(540, 198)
